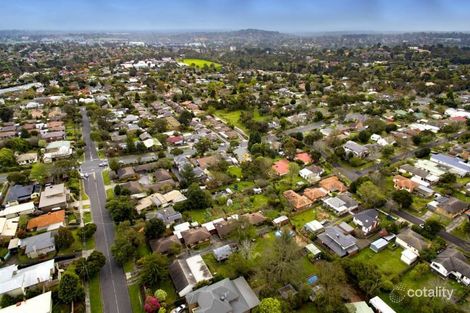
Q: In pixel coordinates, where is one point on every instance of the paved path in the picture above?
(114, 292)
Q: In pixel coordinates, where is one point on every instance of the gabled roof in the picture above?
(413, 239)
(453, 261)
(367, 217)
(195, 235)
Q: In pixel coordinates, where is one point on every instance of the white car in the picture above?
(103, 164)
(179, 309)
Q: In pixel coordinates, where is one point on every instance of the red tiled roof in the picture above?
(281, 167)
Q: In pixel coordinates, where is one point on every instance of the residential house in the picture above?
(54, 196)
(38, 304)
(16, 282)
(53, 136)
(194, 236)
(448, 206)
(225, 296)
(403, 183)
(256, 218)
(341, 204)
(168, 215)
(356, 149)
(297, 201)
(57, 150)
(454, 164)
(280, 221)
(126, 173)
(367, 220)
(410, 240)
(453, 263)
(21, 193)
(358, 307)
(48, 221)
(165, 244)
(17, 210)
(315, 194)
(424, 175)
(281, 167)
(186, 274)
(309, 176)
(38, 245)
(332, 184)
(304, 157)
(8, 227)
(341, 244)
(27, 158)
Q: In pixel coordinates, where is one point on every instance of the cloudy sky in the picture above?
(281, 15)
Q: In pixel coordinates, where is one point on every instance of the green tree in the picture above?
(185, 117)
(39, 172)
(154, 270)
(122, 250)
(154, 228)
(121, 209)
(203, 145)
(161, 295)
(7, 157)
(403, 198)
(371, 194)
(87, 231)
(6, 113)
(188, 175)
(422, 153)
(113, 164)
(63, 238)
(70, 288)
(269, 305)
(197, 199)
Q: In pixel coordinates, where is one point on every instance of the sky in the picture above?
(197, 15)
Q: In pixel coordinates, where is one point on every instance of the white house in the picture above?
(39, 304)
(15, 282)
(17, 210)
(451, 262)
(454, 164)
(308, 175)
(380, 306)
(368, 220)
(410, 240)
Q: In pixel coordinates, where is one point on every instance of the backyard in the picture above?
(388, 260)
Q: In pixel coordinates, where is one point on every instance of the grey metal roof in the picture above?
(367, 217)
(225, 296)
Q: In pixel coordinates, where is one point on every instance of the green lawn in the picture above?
(87, 218)
(220, 268)
(106, 179)
(137, 303)
(109, 193)
(387, 260)
(232, 118)
(460, 231)
(235, 171)
(299, 220)
(200, 63)
(95, 295)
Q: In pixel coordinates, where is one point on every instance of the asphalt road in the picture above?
(114, 292)
(443, 234)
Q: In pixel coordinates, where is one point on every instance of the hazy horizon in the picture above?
(300, 16)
